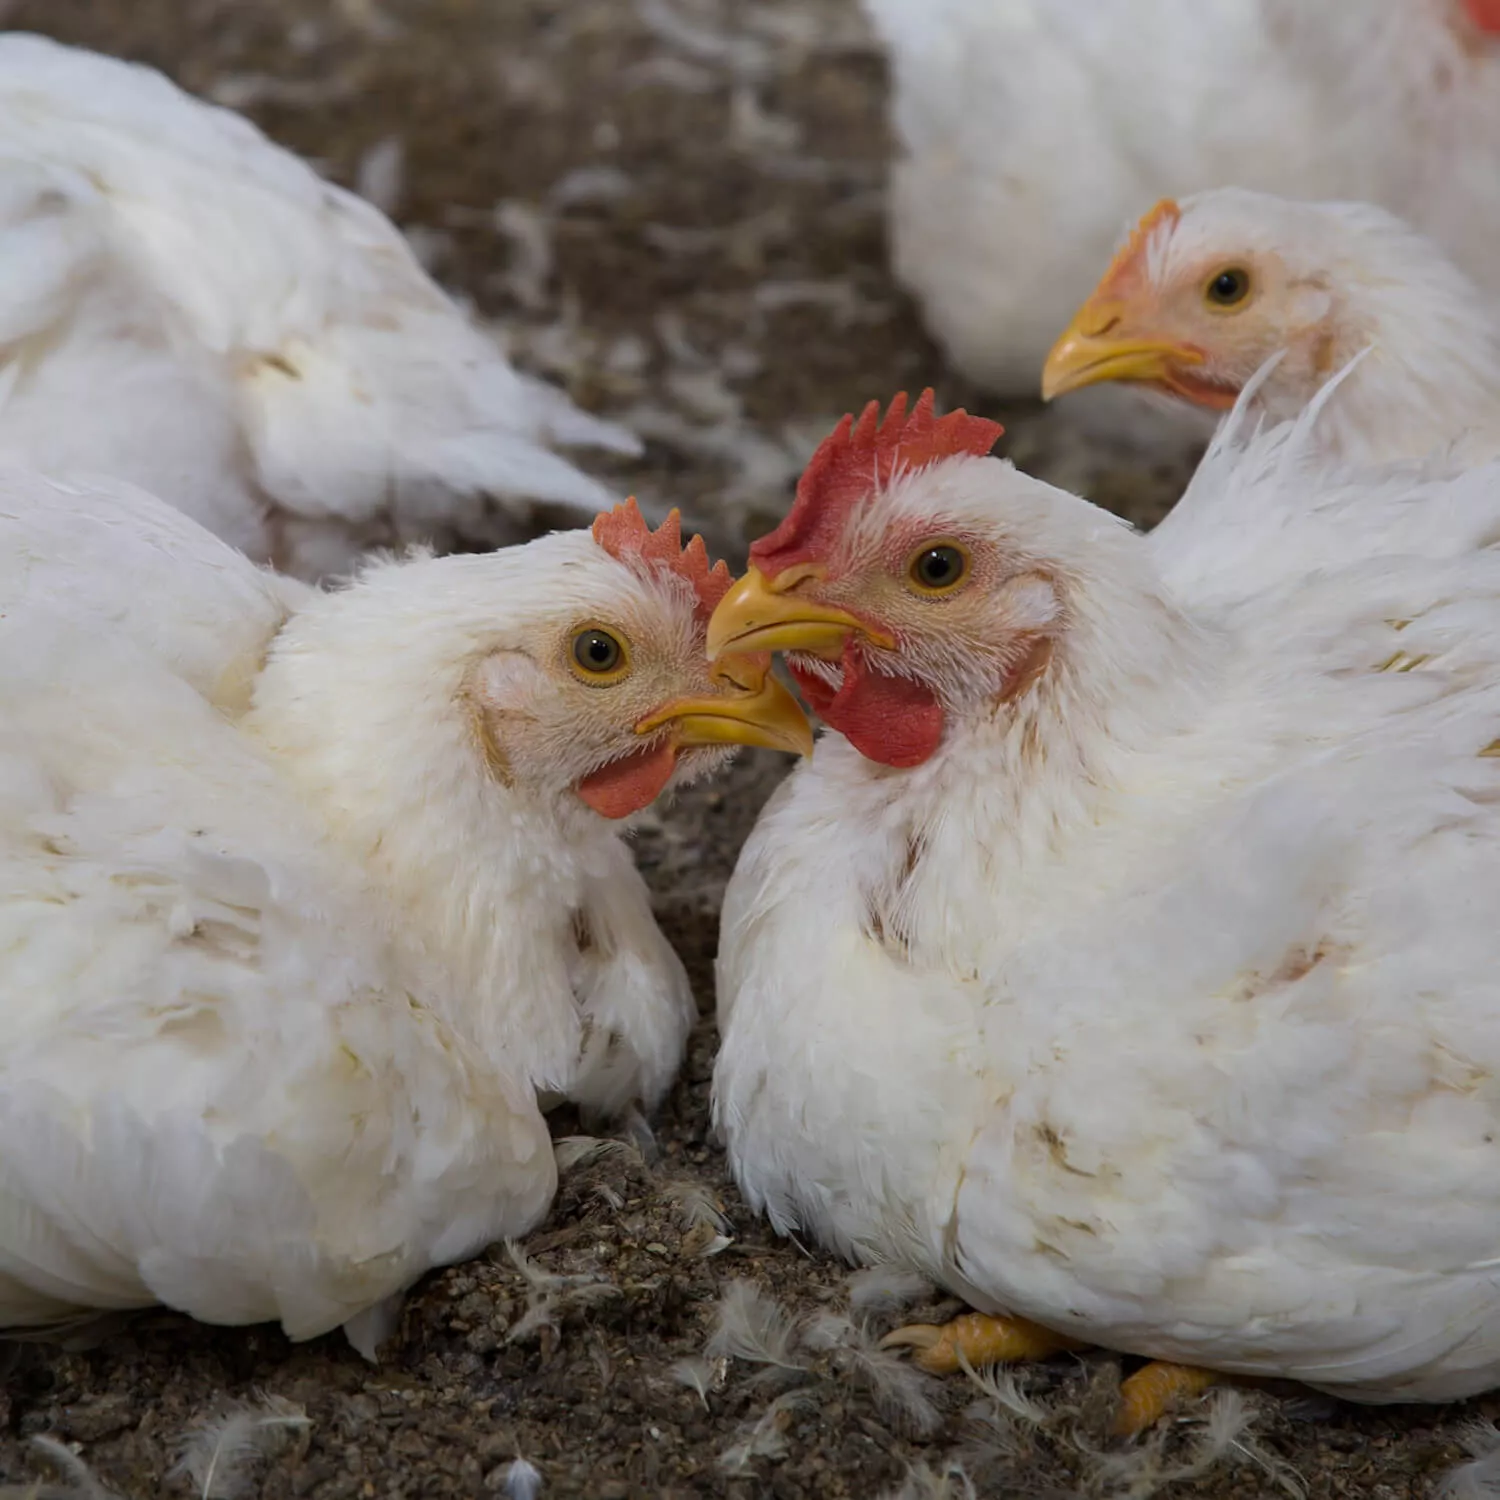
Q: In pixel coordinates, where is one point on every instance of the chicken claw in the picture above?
(977, 1339)
(1148, 1395)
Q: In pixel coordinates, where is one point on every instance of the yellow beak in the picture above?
(1090, 352)
(761, 614)
(754, 709)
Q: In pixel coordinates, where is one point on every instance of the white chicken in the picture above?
(190, 307)
(298, 922)
(1031, 132)
(1205, 295)
(1131, 972)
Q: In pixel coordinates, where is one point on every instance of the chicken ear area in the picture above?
(627, 785)
(893, 721)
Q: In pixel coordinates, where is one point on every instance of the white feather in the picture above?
(79, 1481)
(252, 343)
(523, 1480)
(753, 1327)
(218, 1457)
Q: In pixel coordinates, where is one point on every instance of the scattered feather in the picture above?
(523, 1480)
(754, 1328)
(380, 175)
(766, 1437)
(529, 233)
(842, 300)
(552, 1294)
(705, 1241)
(711, 44)
(669, 72)
(602, 1363)
(586, 185)
(1003, 1388)
(576, 1150)
(901, 1392)
(701, 1374)
(756, 131)
(696, 1205)
(78, 1480)
(1226, 1435)
(926, 1483)
(638, 1133)
(1479, 1479)
(886, 1289)
(541, 1278)
(218, 1457)
(249, 91)
(1223, 1436)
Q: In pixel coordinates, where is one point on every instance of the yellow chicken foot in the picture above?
(1154, 1390)
(977, 1339)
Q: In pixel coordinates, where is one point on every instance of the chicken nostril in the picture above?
(791, 580)
(727, 679)
(1109, 327)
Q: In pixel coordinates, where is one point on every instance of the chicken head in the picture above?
(900, 598)
(1197, 299)
(1204, 293)
(612, 696)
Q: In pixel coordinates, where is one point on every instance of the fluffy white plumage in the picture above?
(1157, 1005)
(191, 308)
(131, 565)
(1031, 134)
(299, 913)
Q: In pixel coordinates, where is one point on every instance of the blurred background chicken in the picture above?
(188, 306)
(1031, 134)
(1126, 966)
(300, 918)
(1203, 294)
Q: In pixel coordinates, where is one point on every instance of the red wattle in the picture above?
(891, 720)
(627, 785)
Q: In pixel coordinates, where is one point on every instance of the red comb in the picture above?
(1128, 257)
(855, 460)
(624, 534)
(1485, 14)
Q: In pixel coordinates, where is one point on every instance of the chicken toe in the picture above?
(977, 1339)
(1154, 1390)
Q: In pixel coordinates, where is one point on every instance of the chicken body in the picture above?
(1147, 989)
(297, 926)
(191, 308)
(1233, 289)
(1031, 133)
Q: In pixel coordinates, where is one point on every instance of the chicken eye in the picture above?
(1229, 287)
(598, 655)
(938, 567)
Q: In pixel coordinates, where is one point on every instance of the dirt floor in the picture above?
(675, 209)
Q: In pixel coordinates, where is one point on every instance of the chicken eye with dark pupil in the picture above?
(1228, 287)
(938, 567)
(596, 651)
